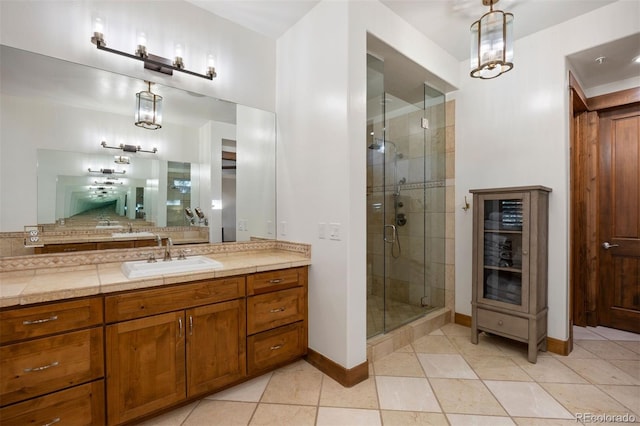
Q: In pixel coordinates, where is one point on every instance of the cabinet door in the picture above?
(145, 365)
(503, 251)
(216, 345)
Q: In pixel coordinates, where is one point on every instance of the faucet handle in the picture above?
(181, 255)
(151, 258)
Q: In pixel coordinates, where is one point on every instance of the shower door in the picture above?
(405, 203)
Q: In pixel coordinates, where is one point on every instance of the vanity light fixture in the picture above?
(151, 62)
(128, 148)
(107, 182)
(491, 43)
(148, 109)
(107, 171)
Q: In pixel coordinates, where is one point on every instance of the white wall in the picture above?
(245, 60)
(514, 131)
(321, 108)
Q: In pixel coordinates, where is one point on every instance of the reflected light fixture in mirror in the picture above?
(128, 148)
(492, 43)
(148, 109)
(107, 171)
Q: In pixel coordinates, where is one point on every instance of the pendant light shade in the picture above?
(148, 109)
(492, 43)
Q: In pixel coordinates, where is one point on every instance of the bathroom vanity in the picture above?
(137, 347)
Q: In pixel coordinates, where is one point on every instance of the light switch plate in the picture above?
(322, 230)
(334, 231)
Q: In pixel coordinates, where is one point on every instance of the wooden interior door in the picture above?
(619, 218)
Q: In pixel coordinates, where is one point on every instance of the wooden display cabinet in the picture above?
(510, 234)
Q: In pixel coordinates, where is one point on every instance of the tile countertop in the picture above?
(59, 283)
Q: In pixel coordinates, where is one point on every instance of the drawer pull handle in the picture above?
(52, 422)
(190, 325)
(275, 311)
(40, 321)
(500, 322)
(44, 367)
(275, 347)
(179, 327)
(275, 281)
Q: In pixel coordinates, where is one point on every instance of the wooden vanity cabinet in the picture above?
(276, 318)
(174, 343)
(52, 363)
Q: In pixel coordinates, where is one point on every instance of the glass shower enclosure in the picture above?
(405, 200)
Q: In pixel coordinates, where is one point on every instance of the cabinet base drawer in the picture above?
(47, 364)
(81, 405)
(271, 310)
(503, 323)
(274, 347)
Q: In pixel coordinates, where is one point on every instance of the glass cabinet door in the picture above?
(502, 251)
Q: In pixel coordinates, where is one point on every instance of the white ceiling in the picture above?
(447, 23)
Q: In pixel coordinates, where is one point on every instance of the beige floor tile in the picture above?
(599, 371)
(172, 418)
(434, 345)
(407, 348)
(607, 349)
(629, 396)
(484, 347)
(614, 334)
(230, 413)
(437, 332)
(332, 416)
(577, 353)
(406, 393)
(475, 420)
(398, 364)
(296, 384)
(584, 399)
(549, 369)
(250, 391)
(283, 415)
(412, 418)
(452, 329)
(527, 399)
(585, 333)
(448, 366)
(531, 421)
(461, 396)
(497, 368)
(631, 367)
(362, 395)
(631, 345)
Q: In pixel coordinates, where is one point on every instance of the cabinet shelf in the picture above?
(509, 295)
(501, 268)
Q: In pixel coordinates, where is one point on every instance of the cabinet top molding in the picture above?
(511, 189)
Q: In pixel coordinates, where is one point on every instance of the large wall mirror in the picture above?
(62, 126)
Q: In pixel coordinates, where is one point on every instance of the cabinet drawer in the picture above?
(138, 304)
(264, 282)
(105, 245)
(48, 364)
(38, 321)
(274, 347)
(80, 405)
(503, 323)
(275, 309)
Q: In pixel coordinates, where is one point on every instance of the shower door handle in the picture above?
(394, 232)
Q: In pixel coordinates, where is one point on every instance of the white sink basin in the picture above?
(109, 226)
(132, 234)
(142, 268)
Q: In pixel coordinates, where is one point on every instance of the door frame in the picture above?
(583, 228)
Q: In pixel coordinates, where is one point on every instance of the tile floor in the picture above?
(443, 379)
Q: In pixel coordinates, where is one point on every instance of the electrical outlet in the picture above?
(269, 227)
(283, 228)
(334, 231)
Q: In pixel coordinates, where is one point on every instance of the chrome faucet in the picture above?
(167, 250)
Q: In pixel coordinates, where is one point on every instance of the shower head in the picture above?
(375, 146)
(380, 144)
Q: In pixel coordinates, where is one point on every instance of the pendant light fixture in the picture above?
(148, 109)
(492, 43)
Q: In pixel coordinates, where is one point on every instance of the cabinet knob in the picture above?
(525, 252)
(500, 322)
